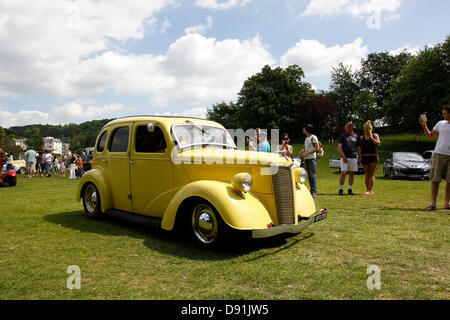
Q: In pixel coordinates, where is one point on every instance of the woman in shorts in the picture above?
(369, 155)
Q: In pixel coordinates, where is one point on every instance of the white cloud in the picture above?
(316, 59)
(200, 28)
(203, 70)
(220, 5)
(195, 70)
(42, 43)
(64, 50)
(68, 113)
(356, 8)
(408, 48)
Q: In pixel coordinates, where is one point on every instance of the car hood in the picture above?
(412, 164)
(221, 156)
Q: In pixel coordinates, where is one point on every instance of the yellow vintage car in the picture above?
(187, 172)
(20, 166)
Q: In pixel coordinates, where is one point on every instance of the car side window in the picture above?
(119, 140)
(153, 142)
(102, 142)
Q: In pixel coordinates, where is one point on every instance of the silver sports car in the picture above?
(406, 165)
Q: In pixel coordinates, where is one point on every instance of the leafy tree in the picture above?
(376, 73)
(226, 114)
(365, 108)
(319, 111)
(422, 87)
(343, 91)
(2, 134)
(36, 142)
(270, 98)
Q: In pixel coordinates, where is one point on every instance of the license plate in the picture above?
(320, 217)
(415, 176)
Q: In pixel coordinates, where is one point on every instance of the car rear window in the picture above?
(119, 140)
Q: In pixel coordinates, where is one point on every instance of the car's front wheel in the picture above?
(208, 230)
(391, 174)
(91, 201)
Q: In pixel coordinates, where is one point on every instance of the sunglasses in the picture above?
(285, 138)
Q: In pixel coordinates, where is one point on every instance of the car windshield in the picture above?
(408, 157)
(192, 134)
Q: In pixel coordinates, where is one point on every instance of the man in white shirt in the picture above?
(440, 164)
(309, 154)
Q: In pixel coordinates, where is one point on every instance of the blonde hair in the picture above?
(368, 124)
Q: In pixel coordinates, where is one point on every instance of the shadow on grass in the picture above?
(169, 242)
(438, 210)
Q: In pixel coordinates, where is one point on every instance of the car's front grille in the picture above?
(284, 195)
(413, 171)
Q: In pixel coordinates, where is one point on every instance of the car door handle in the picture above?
(131, 162)
(105, 160)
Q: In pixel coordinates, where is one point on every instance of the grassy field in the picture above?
(43, 231)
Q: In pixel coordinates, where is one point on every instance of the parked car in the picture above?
(20, 166)
(428, 155)
(335, 162)
(6, 176)
(406, 165)
(151, 170)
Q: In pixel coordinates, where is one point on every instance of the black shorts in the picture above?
(366, 160)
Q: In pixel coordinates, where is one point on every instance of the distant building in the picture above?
(20, 143)
(53, 145)
(66, 149)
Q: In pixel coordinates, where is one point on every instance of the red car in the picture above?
(6, 176)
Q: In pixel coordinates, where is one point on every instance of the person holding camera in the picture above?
(440, 163)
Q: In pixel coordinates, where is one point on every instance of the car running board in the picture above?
(136, 218)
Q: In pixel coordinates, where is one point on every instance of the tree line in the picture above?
(79, 136)
(390, 89)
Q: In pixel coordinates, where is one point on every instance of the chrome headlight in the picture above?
(242, 182)
(300, 175)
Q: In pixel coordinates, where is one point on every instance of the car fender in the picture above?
(98, 178)
(242, 212)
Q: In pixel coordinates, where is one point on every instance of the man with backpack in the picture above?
(312, 146)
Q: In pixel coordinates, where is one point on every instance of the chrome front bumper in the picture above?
(290, 228)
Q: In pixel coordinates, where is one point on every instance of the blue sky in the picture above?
(73, 61)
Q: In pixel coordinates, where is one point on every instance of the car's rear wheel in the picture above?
(208, 230)
(91, 201)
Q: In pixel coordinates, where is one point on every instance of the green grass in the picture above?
(43, 231)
